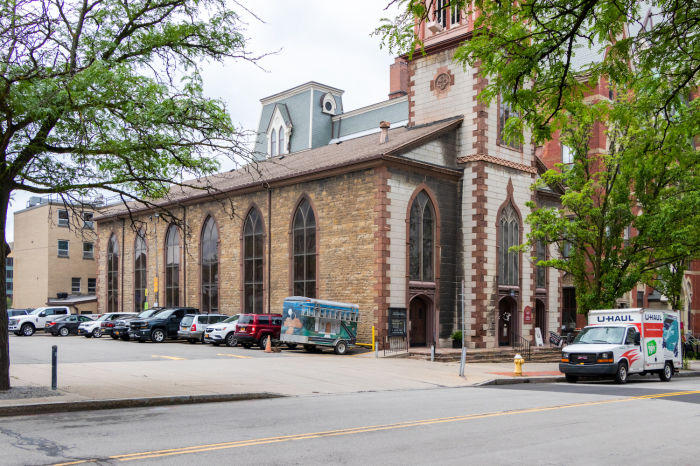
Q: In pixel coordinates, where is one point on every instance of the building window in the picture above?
(568, 312)
(172, 267)
(9, 274)
(541, 271)
(281, 142)
(421, 239)
(87, 220)
(253, 265)
(273, 146)
(88, 251)
(92, 285)
(304, 251)
(567, 155)
(8, 261)
(62, 248)
(510, 236)
(140, 273)
(441, 11)
(210, 267)
(505, 112)
(9, 287)
(75, 285)
(456, 16)
(62, 218)
(112, 275)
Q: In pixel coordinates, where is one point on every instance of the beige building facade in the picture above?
(54, 260)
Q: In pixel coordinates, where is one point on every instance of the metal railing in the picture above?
(521, 345)
(395, 344)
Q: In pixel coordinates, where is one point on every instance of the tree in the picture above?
(106, 95)
(647, 181)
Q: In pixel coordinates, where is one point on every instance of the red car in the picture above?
(255, 329)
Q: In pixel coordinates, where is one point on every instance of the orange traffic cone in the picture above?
(268, 346)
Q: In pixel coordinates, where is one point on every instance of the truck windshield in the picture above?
(593, 335)
(37, 311)
(231, 319)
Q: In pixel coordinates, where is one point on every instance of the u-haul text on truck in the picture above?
(619, 342)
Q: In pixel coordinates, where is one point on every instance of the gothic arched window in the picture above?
(112, 275)
(510, 236)
(281, 143)
(304, 268)
(273, 143)
(421, 253)
(140, 272)
(253, 263)
(210, 267)
(172, 267)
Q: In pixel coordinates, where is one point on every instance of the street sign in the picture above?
(155, 285)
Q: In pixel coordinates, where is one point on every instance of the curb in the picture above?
(120, 403)
(515, 381)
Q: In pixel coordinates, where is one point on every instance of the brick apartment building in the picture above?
(53, 256)
(392, 218)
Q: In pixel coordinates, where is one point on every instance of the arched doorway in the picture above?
(506, 316)
(418, 317)
(540, 317)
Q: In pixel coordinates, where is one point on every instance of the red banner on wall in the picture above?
(527, 314)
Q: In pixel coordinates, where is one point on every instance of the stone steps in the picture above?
(542, 355)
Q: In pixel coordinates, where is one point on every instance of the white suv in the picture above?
(92, 329)
(36, 320)
(223, 332)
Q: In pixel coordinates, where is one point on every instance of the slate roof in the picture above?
(297, 164)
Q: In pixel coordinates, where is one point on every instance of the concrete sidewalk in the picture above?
(288, 374)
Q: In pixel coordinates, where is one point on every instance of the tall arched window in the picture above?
(140, 272)
(172, 267)
(113, 275)
(281, 144)
(304, 251)
(253, 263)
(273, 143)
(510, 236)
(210, 267)
(421, 239)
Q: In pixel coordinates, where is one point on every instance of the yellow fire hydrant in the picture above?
(518, 364)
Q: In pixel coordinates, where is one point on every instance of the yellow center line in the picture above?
(235, 356)
(169, 357)
(360, 430)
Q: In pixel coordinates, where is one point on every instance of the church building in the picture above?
(407, 207)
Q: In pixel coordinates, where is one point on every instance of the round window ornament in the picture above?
(329, 106)
(442, 82)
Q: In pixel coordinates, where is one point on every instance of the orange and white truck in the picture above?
(619, 342)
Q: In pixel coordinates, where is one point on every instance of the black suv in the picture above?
(161, 326)
(121, 326)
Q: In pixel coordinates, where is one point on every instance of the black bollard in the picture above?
(54, 368)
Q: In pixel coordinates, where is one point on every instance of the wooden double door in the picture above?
(418, 316)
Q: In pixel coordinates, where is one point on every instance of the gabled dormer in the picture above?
(279, 131)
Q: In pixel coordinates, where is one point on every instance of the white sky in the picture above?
(323, 41)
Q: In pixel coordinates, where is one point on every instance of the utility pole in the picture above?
(156, 282)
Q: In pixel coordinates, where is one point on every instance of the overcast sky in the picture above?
(323, 41)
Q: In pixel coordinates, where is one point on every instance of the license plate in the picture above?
(47, 326)
(206, 336)
(116, 333)
(242, 329)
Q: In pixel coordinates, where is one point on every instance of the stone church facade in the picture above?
(393, 207)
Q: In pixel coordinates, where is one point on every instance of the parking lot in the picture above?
(78, 349)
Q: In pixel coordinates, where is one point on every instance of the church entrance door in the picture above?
(418, 317)
(505, 322)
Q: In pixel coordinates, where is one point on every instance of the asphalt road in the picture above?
(78, 349)
(644, 422)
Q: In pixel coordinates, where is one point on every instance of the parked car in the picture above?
(65, 325)
(93, 329)
(192, 326)
(36, 320)
(18, 312)
(160, 326)
(121, 326)
(255, 329)
(223, 332)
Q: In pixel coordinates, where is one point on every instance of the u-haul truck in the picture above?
(619, 342)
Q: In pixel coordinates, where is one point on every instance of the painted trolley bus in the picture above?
(314, 322)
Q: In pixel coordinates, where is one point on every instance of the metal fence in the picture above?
(395, 344)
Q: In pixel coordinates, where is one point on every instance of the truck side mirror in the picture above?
(636, 340)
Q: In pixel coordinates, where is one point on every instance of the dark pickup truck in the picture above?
(161, 326)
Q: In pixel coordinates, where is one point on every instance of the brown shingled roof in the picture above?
(323, 158)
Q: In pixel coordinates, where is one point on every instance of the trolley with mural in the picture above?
(314, 322)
